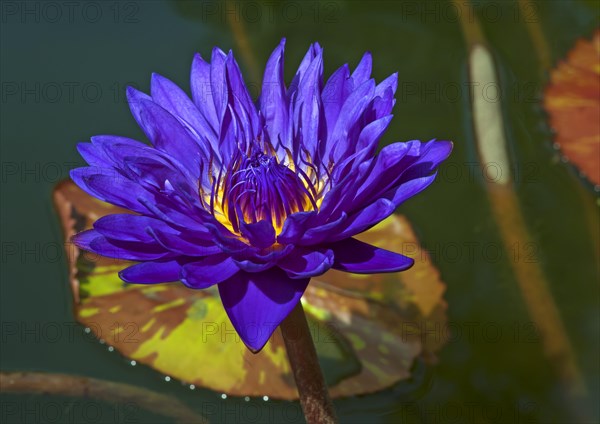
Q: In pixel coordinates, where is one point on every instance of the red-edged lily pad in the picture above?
(573, 103)
(367, 329)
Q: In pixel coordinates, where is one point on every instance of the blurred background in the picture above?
(515, 244)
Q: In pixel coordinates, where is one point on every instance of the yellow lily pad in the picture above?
(367, 329)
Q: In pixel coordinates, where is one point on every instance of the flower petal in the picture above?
(384, 96)
(260, 234)
(406, 190)
(93, 241)
(208, 272)
(390, 82)
(434, 153)
(236, 88)
(273, 100)
(355, 256)
(201, 90)
(363, 70)
(366, 218)
(294, 227)
(365, 147)
(263, 260)
(251, 266)
(127, 227)
(257, 303)
(313, 51)
(163, 209)
(334, 94)
(135, 159)
(218, 84)
(110, 186)
(341, 142)
(308, 109)
(116, 148)
(396, 165)
(306, 263)
(167, 133)
(183, 243)
(93, 155)
(319, 233)
(386, 168)
(173, 99)
(152, 272)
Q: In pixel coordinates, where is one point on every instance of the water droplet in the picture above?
(247, 398)
(192, 387)
(110, 348)
(265, 398)
(167, 378)
(133, 363)
(223, 396)
(87, 330)
(102, 341)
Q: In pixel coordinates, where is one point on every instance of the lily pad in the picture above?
(417, 294)
(573, 103)
(368, 330)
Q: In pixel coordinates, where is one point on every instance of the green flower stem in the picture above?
(314, 396)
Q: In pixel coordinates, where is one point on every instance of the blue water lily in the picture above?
(256, 197)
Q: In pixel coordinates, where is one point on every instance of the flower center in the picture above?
(259, 188)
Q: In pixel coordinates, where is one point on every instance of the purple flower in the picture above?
(257, 197)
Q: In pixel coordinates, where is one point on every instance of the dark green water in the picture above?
(63, 73)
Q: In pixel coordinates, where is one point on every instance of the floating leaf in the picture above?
(573, 102)
(367, 329)
(417, 293)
